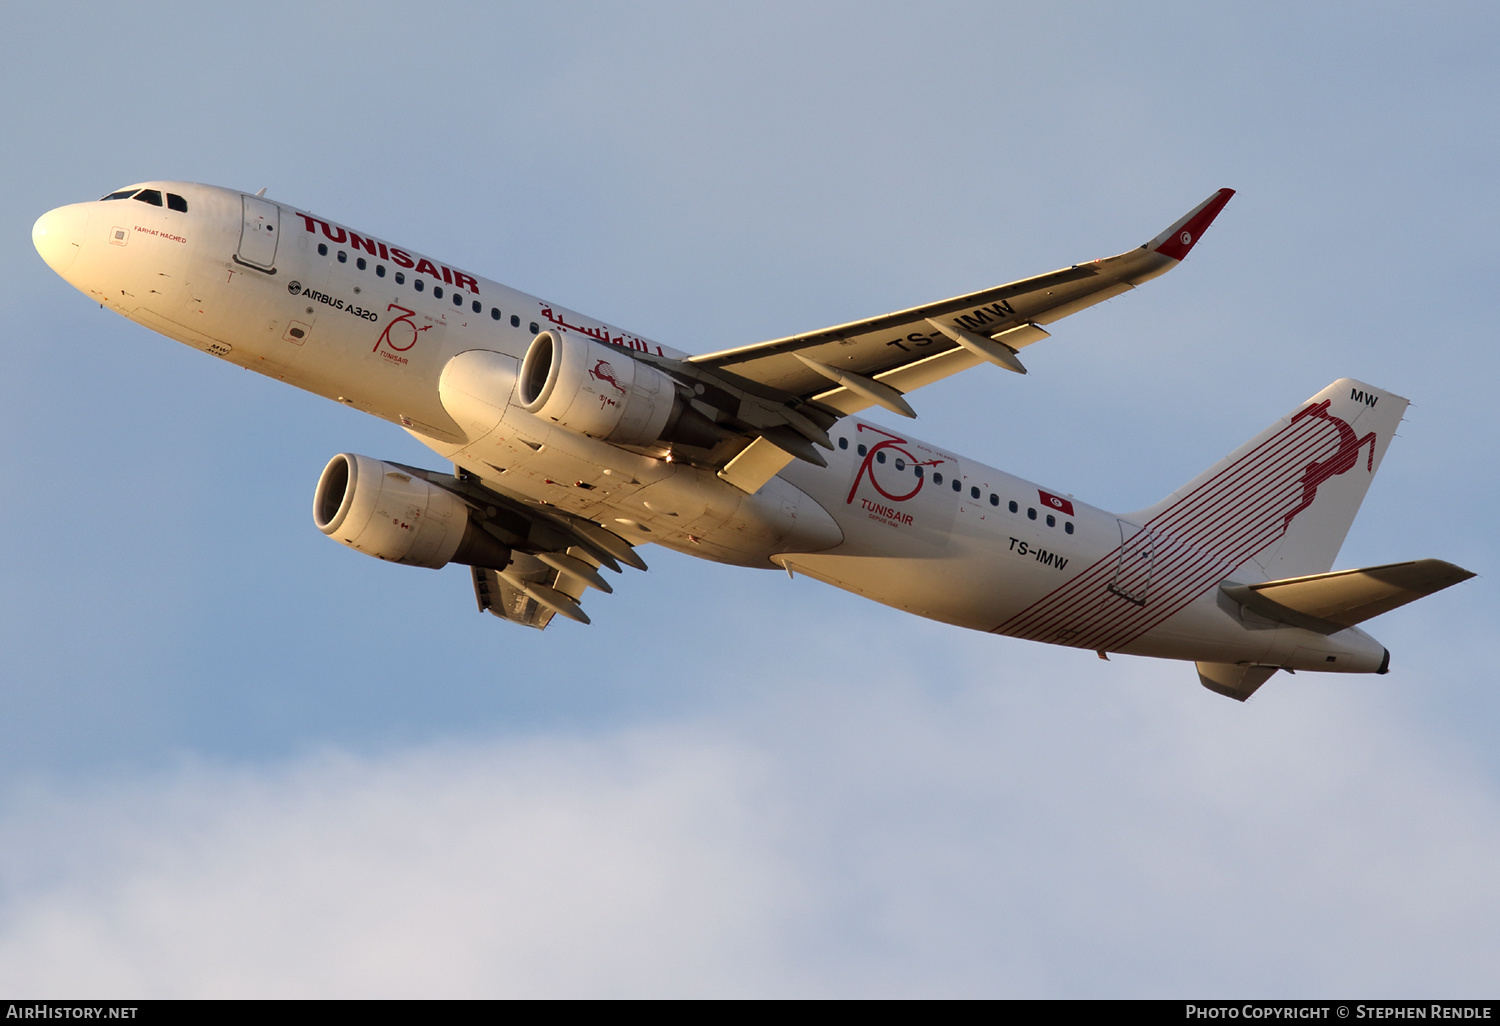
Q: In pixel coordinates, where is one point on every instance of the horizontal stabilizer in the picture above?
(1329, 603)
(1232, 680)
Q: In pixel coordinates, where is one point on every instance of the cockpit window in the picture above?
(151, 196)
(122, 194)
(176, 202)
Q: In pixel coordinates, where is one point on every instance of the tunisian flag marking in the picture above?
(1056, 502)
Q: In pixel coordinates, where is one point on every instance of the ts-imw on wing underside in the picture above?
(573, 442)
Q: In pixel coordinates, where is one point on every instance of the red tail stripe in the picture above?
(1217, 526)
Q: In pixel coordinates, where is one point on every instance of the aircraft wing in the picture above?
(548, 558)
(850, 367)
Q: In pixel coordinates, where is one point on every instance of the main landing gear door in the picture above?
(1132, 581)
(258, 236)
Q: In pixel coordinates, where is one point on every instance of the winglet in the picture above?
(1179, 239)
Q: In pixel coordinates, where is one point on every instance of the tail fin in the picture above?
(1279, 507)
(1285, 500)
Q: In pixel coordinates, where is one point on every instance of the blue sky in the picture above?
(241, 760)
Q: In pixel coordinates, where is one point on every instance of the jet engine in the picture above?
(381, 510)
(595, 389)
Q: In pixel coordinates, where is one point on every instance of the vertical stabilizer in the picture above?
(1284, 501)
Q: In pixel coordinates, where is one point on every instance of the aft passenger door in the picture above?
(1132, 580)
(258, 236)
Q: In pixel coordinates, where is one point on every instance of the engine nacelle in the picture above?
(381, 510)
(595, 389)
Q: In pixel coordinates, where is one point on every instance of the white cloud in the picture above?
(1102, 833)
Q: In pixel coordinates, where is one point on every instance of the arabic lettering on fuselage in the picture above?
(601, 334)
(340, 235)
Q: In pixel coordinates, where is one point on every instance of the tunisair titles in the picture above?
(341, 236)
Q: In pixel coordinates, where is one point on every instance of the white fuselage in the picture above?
(370, 325)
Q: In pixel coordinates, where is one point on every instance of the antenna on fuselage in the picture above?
(262, 191)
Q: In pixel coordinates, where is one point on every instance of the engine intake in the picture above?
(596, 389)
(381, 510)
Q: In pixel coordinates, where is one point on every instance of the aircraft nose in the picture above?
(58, 235)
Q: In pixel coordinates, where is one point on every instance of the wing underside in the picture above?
(538, 560)
(500, 592)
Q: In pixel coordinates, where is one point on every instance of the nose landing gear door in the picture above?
(1132, 580)
(258, 236)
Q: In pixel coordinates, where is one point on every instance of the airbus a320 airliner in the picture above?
(573, 442)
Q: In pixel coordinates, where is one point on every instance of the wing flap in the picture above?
(499, 597)
(762, 460)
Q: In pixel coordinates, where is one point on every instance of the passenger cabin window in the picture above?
(534, 328)
(477, 306)
(380, 270)
(957, 485)
(1030, 513)
(122, 194)
(322, 249)
(1051, 520)
(1068, 526)
(176, 202)
(937, 477)
(151, 196)
(994, 499)
(416, 283)
(1013, 507)
(400, 278)
(458, 300)
(515, 320)
(359, 262)
(494, 314)
(343, 257)
(437, 292)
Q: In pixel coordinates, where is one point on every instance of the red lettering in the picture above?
(384, 255)
(463, 281)
(400, 257)
(368, 245)
(309, 220)
(448, 276)
(340, 237)
(424, 266)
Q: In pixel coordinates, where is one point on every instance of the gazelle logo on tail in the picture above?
(1343, 458)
